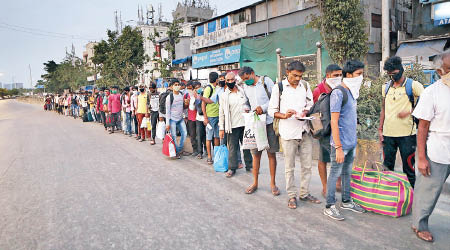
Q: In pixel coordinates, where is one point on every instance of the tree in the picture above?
(120, 58)
(164, 66)
(71, 73)
(342, 27)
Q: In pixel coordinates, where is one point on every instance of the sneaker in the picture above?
(333, 213)
(352, 207)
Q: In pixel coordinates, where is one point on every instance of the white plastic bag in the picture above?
(249, 140)
(261, 132)
(144, 122)
(161, 130)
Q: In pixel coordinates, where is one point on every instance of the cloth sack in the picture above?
(259, 124)
(249, 140)
(168, 148)
(160, 130)
(221, 158)
(149, 125)
(383, 192)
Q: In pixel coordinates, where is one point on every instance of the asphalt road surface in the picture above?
(65, 184)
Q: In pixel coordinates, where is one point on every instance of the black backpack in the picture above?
(162, 101)
(320, 124)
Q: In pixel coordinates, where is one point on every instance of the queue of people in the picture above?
(214, 114)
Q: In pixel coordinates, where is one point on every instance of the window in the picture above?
(376, 21)
(239, 17)
(224, 22)
(200, 30)
(212, 26)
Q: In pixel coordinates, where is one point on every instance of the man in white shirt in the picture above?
(433, 146)
(290, 102)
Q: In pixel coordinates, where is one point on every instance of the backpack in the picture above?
(162, 101)
(74, 100)
(320, 124)
(409, 93)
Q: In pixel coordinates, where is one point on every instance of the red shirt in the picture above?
(114, 104)
(192, 114)
(320, 89)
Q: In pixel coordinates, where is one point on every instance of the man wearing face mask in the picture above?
(175, 105)
(154, 110)
(397, 128)
(231, 122)
(143, 102)
(258, 90)
(433, 146)
(332, 80)
(134, 98)
(343, 139)
(114, 107)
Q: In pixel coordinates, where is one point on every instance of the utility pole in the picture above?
(31, 79)
(385, 21)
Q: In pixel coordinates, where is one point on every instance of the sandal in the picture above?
(311, 199)
(240, 166)
(152, 142)
(292, 203)
(230, 173)
(199, 156)
(423, 235)
(251, 189)
(210, 161)
(275, 191)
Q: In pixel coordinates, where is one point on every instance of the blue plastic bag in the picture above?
(221, 158)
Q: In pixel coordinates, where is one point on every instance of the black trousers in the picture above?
(136, 124)
(192, 131)
(201, 137)
(154, 116)
(115, 121)
(407, 147)
(233, 141)
(102, 113)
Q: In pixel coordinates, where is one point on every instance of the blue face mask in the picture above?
(199, 91)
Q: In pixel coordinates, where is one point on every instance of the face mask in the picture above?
(199, 91)
(397, 76)
(231, 85)
(334, 82)
(176, 88)
(142, 90)
(446, 78)
(249, 82)
(221, 83)
(114, 91)
(354, 84)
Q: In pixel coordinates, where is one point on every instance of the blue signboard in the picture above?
(428, 1)
(442, 14)
(217, 57)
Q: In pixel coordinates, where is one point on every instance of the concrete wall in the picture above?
(183, 48)
(423, 24)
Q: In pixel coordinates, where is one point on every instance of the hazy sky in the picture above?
(35, 31)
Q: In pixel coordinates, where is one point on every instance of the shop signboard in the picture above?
(216, 57)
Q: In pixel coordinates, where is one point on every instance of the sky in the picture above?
(33, 32)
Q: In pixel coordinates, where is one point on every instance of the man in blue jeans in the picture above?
(343, 138)
(175, 105)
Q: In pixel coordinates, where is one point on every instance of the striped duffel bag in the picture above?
(383, 192)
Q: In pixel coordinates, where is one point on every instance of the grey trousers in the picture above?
(426, 193)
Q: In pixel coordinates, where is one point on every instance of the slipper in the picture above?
(423, 235)
(311, 199)
(240, 166)
(209, 161)
(251, 189)
(152, 142)
(275, 191)
(230, 173)
(292, 203)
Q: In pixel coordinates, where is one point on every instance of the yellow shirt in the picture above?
(142, 104)
(397, 101)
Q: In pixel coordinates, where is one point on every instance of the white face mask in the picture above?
(354, 84)
(334, 82)
(446, 78)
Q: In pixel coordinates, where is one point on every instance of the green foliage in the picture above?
(120, 58)
(7, 92)
(71, 73)
(342, 27)
(416, 73)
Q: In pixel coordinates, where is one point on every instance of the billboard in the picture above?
(216, 57)
(442, 14)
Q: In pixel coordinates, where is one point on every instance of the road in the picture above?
(65, 184)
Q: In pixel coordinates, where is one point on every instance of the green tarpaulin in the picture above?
(261, 56)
